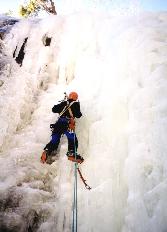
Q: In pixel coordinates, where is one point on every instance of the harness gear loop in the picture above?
(83, 180)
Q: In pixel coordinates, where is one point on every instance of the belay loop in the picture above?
(84, 181)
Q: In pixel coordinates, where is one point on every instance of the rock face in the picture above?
(6, 24)
(46, 40)
(20, 57)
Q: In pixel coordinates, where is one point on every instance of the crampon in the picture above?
(43, 157)
(75, 158)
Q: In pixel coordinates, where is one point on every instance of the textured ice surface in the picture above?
(118, 66)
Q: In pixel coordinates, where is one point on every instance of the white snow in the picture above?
(118, 66)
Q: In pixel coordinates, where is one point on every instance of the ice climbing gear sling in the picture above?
(66, 108)
(71, 119)
(83, 180)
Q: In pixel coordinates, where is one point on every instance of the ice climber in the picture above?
(68, 110)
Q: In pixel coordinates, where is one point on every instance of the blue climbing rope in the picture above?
(75, 209)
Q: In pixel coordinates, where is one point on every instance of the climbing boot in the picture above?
(51, 157)
(44, 157)
(74, 157)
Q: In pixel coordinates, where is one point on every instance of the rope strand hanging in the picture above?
(84, 181)
(75, 209)
(76, 168)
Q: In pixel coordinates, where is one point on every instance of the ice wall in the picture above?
(118, 66)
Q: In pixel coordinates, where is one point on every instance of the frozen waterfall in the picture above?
(118, 66)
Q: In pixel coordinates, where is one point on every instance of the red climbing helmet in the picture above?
(73, 96)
